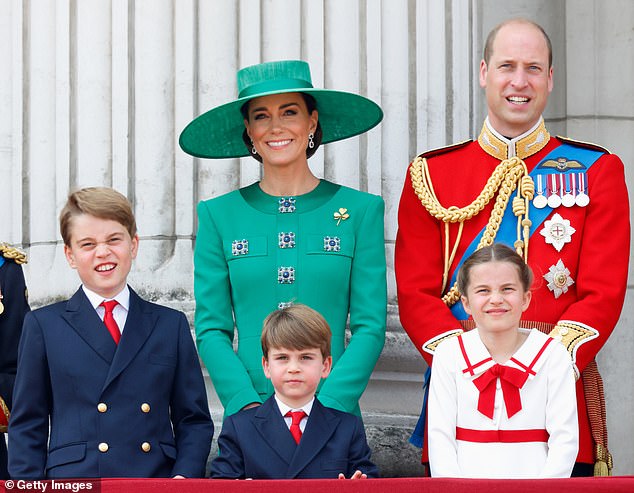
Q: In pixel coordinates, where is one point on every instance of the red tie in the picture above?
(296, 417)
(109, 320)
(512, 381)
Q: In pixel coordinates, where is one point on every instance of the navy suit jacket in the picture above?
(256, 443)
(138, 409)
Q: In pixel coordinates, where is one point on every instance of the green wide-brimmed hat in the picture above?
(218, 132)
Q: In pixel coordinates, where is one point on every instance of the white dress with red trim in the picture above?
(514, 420)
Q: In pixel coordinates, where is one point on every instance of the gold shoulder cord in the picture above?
(507, 176)
(18, 256)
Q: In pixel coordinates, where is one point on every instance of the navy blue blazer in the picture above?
(256, 443)
(138, 409)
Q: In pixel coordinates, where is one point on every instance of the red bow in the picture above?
(512, 381)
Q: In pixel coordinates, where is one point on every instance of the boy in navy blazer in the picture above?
(292, 435)
(117, 377)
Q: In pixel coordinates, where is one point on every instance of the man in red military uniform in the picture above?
(562, 204)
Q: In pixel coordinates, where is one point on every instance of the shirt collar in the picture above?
(307, 408)
(123, 298)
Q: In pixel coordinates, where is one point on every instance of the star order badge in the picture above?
(557, 231)
(558, 277)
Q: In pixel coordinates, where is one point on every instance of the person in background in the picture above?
(563, 205)
(14, 304)
(293, 435)
(502, 398)
(288, 238)
(117, 377)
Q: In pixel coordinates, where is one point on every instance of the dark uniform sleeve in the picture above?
(15, 305)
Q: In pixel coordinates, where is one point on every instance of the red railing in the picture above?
(615, 484)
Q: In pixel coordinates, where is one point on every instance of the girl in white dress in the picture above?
(502, 398)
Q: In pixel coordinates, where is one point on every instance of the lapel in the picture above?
(138, 327)
(319, 429)
(270, 424)
(83, 318)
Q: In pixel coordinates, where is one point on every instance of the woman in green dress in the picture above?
(290, 237)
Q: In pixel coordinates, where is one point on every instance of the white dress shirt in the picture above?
(284, 409)
(120, 312)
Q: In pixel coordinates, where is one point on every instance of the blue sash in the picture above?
(418, 434)
(507, 233)
(1, 260)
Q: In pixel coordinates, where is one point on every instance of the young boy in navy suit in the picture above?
(117, 377)
(292, 435)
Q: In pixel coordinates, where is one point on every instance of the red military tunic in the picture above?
(594, 257)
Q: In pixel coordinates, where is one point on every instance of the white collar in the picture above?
(123, 297)
(528, 355)
(284, 409)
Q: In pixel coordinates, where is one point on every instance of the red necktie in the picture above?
(109, 320)
(511, 379)
(296, 417)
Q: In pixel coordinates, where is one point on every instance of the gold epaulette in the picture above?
(572, 335)
(12, 253)
(443, 150)
(585, 145)
(431, 345)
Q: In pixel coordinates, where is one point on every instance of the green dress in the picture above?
(255, 253)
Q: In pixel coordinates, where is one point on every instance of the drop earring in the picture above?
(311, 143)
(253, 150)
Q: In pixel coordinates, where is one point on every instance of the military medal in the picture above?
(568, 200)
(582, 198)
(559, 280)
(557, 231)
(554, 200)
(540, 201)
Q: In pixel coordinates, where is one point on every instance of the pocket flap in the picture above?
(249, 246)
(66, 454)
(332, 244)
(335, 465)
